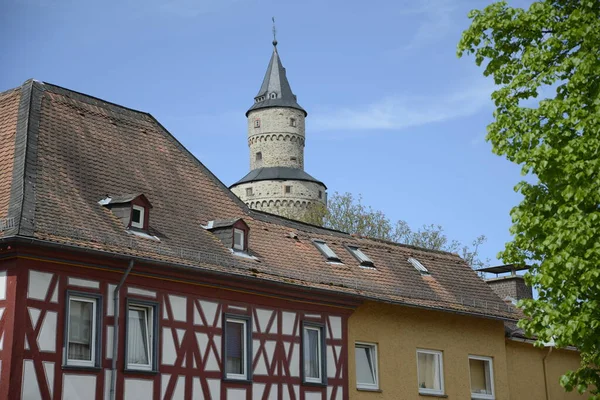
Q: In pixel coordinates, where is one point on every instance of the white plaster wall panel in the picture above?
(273, 329)
(202, 340)
(39, 282)
(138, 389)
(197, 317)
(261, 366)
(165, 313)
(273, 392)
(164, 382)
(255, 347)
(236, 394)
(197, 393)
(34, 315)
(340, 393)
(2, 285)
(54, 298)
(180, 334)
(1, 312)
(107, 375)
(338, 351)
(257, 391)
(84, 283)
(178, 307)
(313, 396)
(76, 387)
(294, 360)
(336, 326)
(270, 349)
(169, 352)
(210, 312)
(329, 391)
(26, 343)
(141, 292)
(49, 373)
(211, 362)
(110, 303)
(263, 319)
(179, 391)
(287, 321)
(109, 342)
(2, 341)
(47, 337)
(331, 368)
(214, 386)
(297, 391)
(30, 389)
(217, 340)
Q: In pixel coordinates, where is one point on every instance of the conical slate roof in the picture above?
(275, 84)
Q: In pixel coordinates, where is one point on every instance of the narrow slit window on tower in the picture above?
(249, 191)
(320, 194)
(257, 123)
(259, 156)
(293, 158)
(418, 266)
(292, 121)
(288, 189)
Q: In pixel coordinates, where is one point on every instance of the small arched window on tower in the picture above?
(273, 95)
(257, 123)
(259, 156)
(292, 121)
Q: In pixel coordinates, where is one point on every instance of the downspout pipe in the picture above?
(115, 346)
(545, 374)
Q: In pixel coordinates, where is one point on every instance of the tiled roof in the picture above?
(80, 148)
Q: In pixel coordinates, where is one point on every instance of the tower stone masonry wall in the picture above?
(270, 196)
(280, 143)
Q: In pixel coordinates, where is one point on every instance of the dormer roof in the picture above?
(275, 90)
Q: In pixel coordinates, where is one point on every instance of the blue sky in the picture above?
(393, 114)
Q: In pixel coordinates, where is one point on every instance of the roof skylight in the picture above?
(418, 266)
(364, 260)
(326, 251)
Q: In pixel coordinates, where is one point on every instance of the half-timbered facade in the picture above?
(214, 300)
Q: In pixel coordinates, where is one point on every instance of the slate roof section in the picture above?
(275, 81)
(277, 174)
(79, 148)
(9, 111)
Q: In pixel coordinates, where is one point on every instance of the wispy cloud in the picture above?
(405, 111)
(437, 19)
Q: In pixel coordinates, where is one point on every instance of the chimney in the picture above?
(509, 287)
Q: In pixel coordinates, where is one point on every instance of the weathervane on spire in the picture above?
(274, 32)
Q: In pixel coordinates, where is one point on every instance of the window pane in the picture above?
(480, 377)
(325, 249)
(365, 367)
(137, 337)
(429, 373)
(238, 239)
(235, 348)
(137, 215)
(80, 330)
(312, 356)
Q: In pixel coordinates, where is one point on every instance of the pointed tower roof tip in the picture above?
(275, 90)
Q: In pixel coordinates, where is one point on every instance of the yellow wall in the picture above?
(526, 371)
(399, 331)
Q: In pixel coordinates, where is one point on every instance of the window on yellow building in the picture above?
(366, 366)
(430, 372)
(482, 377)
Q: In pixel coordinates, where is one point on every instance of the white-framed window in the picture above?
(418, 266)
(326, 250)
(141, 331)
(364, 260)
(430, 371)
(239, 239)
(82, 336)
(367, 373)
(137, 216)
(236, 347)
(482, 377)
(312, 353)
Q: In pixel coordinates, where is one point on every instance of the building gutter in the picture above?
(115, 347)
(545, 374)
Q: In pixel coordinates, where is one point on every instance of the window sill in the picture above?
(240, 381)
(442, 396)
(140, 371)
(364, 389)
(81, 368)
(314, 384)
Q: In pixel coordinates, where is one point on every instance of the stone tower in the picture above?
(277, 182)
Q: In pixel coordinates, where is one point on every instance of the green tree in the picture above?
(346, 213)
(550, 50)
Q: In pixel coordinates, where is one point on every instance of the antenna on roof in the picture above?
(274, 32)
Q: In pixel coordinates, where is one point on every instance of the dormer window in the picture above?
(326, 251)
(137, 216)
(364, 260)
(239, 239)
(418, 266)
(273, 95)
(233, 233)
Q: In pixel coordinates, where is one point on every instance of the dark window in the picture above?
(288, 189)
(313, 351)
(237, 347)
(259, 156)
(320, 194)
(249, 191)
(137, 216)
(257, 123)
(293, 158)
(292, 121)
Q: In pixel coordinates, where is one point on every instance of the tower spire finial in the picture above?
(274, 32)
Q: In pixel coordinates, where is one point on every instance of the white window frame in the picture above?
(327, 252)
(94, 338)
(490, 362)
(241, 246)
(373, 350)
(364, 259)
(149, 310)
(244, 375)
(140, 224)
(319, 330)
(439, 365)
(418, 266)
